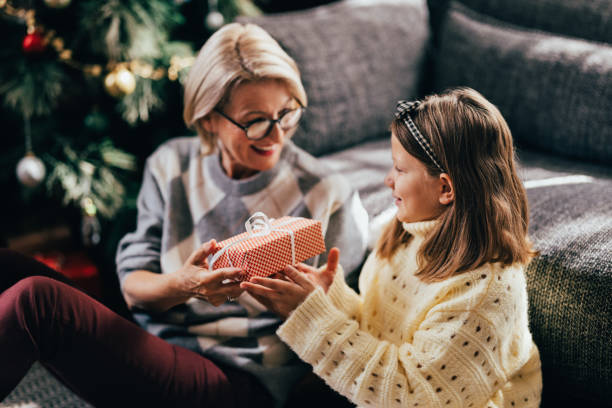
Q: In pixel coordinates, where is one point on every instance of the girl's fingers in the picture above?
(332, 259)
(277, 275)
(257, 290)
(295, 275)
(305, 268)
(278, 285)
(259, 293)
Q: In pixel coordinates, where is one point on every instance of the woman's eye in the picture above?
(253, 121)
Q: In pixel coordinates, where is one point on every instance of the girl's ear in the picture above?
(447, 191)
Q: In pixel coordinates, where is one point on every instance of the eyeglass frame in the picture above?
(271, 121)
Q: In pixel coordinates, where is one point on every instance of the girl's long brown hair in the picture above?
(488, 220)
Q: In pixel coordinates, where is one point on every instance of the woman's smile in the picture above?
(265, 151)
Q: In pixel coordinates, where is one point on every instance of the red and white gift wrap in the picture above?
(269, 245)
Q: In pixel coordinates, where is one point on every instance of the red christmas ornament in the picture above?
(34, 43)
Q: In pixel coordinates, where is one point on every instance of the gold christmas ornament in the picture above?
(120, 82)
(93, 70)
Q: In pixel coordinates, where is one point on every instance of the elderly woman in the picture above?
(206, 342)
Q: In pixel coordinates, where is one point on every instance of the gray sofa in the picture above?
(547, 64)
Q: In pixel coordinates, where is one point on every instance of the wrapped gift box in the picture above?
(267, 246)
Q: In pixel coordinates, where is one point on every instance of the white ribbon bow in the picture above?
(258, 225)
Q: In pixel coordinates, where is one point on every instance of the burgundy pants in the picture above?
(104, 358)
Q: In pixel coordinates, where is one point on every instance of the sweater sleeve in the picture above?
(141, 249)
(451, 359)
(343, 297)
(347, 229)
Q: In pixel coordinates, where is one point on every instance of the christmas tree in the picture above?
(88, 89)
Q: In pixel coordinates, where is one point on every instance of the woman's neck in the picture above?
(233, 169)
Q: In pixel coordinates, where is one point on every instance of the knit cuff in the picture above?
(343, 296)
(307, 325)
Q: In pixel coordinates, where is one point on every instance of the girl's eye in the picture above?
(398, 169)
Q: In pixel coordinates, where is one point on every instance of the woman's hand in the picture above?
(195, 279)
(283, 296)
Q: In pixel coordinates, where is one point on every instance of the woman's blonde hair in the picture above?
(488, 220)
(234, 54)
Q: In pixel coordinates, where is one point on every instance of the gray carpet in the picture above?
(40, 389)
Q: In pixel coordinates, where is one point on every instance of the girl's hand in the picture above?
(325, 277)
(195, 279)
(283, 296)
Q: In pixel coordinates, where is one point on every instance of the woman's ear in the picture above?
(447, 191)
(206, 123)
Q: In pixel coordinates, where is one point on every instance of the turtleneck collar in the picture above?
(420, 228)
(248, 185)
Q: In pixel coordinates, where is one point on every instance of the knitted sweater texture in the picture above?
(462, 342)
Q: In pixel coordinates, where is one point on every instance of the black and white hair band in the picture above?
(402, 112)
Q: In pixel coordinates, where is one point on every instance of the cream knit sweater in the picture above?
(463, 342)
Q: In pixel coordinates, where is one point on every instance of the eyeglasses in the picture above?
(260, 128)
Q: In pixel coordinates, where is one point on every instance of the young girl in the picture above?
(441, 318)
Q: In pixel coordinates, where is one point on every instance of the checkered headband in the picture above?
(402, 112)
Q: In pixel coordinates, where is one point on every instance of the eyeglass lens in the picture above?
(289, 120)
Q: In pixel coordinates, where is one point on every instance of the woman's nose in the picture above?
(276, 133)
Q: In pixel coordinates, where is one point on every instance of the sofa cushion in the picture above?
(586, 19)
(571, 281)
(356, 59)
(555, 92)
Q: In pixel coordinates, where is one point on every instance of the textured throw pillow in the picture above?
(555, 92)
(587, 19)
(356, 59)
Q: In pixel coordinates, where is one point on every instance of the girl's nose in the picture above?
(389, 179)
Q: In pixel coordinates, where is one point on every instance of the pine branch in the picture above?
(129, 29)
(34, 87)
(90, 175)
(138, 105)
